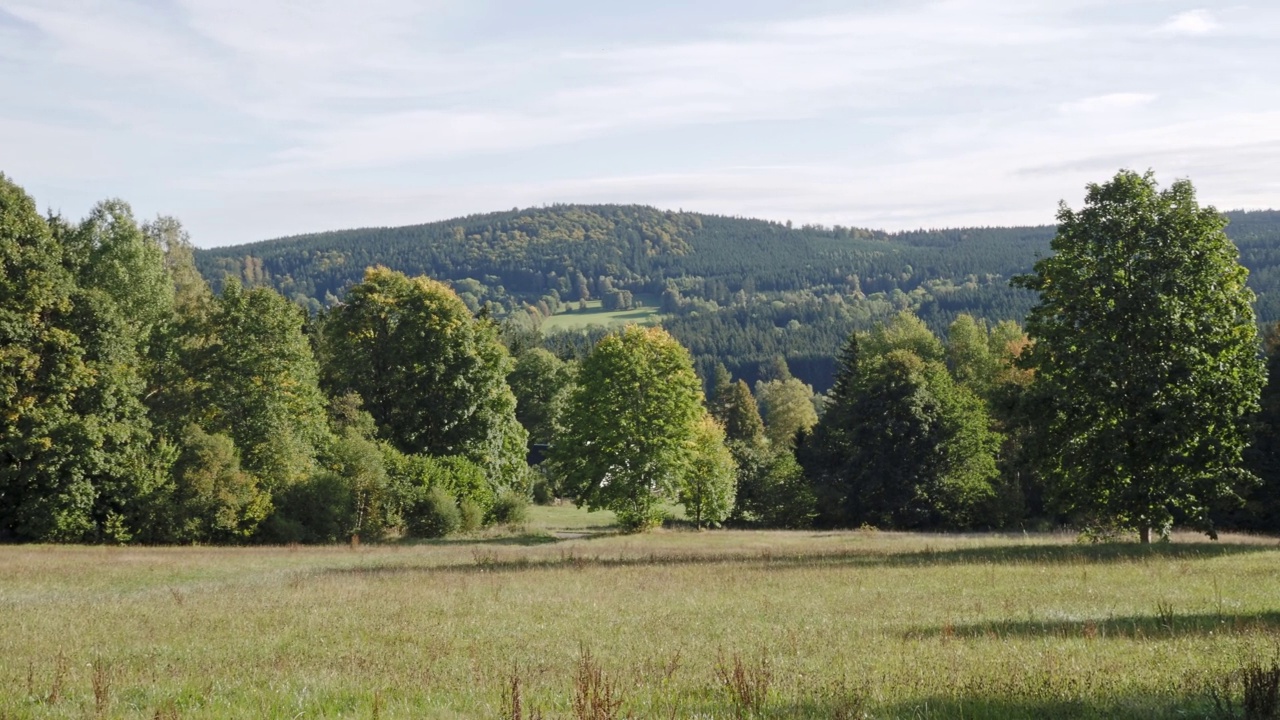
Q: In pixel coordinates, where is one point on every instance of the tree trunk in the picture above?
(1145, 535)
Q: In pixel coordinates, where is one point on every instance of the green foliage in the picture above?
(1145, 354)
(735, 290)
(460, 477)
(629, 425)
(360, 463)
(318, 509)
(518, 249)
(109, 252)
(1261, 508)
(736, 409)
(708, 488)
(352, 496)
(510, 508)
(782, 496)
(137, 406)
(470, 516)
(255, 380)
(543, 492)
(901, 445)
(541, 383)
(969, 355)
(432, 514)
(188, 287)
(42, 370)
(76, 458)
(214, 500)
(432, 377)
(788, 408)
(904, 332)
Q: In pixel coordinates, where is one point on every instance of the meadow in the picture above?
(571, 318)
(565, 618)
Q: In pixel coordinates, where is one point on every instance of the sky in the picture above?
(253, 119)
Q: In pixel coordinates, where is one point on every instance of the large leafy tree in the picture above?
(42, 370)
(213, 499)
(787, 406)
(1145, 353)
(111, 253)
(901, 443)
(969, 355)
(921, 453)
(631, 425)
(432, 376)
(260, 385)
(541, 383)
(76, 461)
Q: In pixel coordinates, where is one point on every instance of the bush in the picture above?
(320, 509)
(543, 493)
(510, 508)
(410, 475)
(772, 491)
(432, 514)
(472, 515)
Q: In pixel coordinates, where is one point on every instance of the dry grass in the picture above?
(672, 624)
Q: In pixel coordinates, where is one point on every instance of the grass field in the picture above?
(574, 319)
(802, 624)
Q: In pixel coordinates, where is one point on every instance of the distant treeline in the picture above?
(735, 291)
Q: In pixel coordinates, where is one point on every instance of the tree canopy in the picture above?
(902, 444)
(630, 425)
(1145, 354)
(432, 376)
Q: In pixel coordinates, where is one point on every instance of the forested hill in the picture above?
(530, 252)
(736, 290)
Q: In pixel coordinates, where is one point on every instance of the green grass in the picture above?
(573, 319)
(847, 624)
(565, 518)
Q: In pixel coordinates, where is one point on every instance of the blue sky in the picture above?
(250, 119)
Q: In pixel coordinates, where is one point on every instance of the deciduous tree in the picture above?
(430, 374)
(541, 383)
(708, 488)
(1145, 353)
(787, 406)
(630, 425)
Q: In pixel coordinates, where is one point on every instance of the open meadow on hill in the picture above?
(573, 319)
(583, 622)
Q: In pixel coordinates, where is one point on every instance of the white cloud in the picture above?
(1191, 22)
(1111, 102)
(899, 114)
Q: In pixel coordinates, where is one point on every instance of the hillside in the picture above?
(734, 290)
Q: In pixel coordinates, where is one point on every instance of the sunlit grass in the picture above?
(571, 318)
(885, 624)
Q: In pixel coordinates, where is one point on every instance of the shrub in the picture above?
(320, 509)
(543, 493)
(411, 475)
(471, 514)
(432, 514)
(510, 508)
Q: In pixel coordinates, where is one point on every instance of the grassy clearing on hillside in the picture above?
(574, 319)
(678, 624)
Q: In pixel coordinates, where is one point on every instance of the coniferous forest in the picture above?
(397, 382)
